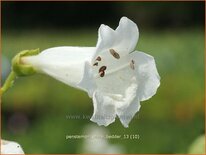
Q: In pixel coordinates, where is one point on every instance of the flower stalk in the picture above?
(9, 82)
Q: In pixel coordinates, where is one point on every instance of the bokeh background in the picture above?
(39, 112)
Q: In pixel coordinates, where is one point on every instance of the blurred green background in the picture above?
(38, 111)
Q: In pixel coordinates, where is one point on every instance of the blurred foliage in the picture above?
(34, 110)
(158, 15)
(38, 111)
(198, 146)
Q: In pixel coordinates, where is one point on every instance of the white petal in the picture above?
(87, 82)
(127, 113)
(106, 38)
(65, 64)
(147, 75)
(123, 40)
(104, 109)
(129, 33)
(9, 147)
(127, 108)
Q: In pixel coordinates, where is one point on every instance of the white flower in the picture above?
(9, 147)
(113, 74)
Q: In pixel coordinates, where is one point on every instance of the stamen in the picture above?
(114, 53)
(132, 64)
(102, 73)
(103, 68)
(98, 58)
(95, 64)
(113, 71)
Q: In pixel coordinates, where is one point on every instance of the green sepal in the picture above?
(23, 69)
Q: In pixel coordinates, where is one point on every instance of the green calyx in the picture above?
(20, 68)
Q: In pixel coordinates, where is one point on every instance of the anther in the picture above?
(132, 64)
(103, 68)
(95, 64)
(101, 73)
(98, 58)
(114, 53)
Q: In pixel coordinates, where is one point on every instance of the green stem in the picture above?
(9, 82)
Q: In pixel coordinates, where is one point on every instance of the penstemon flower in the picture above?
(114, 75)
(9, 147)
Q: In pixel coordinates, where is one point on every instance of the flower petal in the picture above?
(123, 40)
(106, 38)
(10, 147)
(104, 109)
(128, 31)
(87, 82)
(126, 113)
(129, 105)
(147, 75)
(65, 64)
